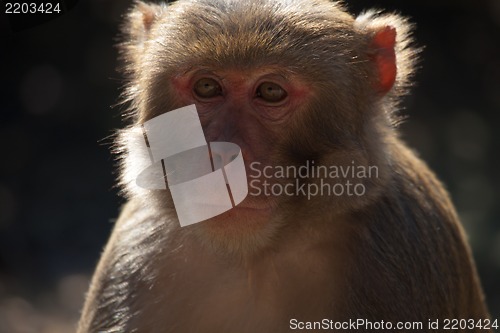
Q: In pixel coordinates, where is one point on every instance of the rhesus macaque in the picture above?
(294, 84)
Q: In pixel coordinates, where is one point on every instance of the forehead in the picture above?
(251, 33)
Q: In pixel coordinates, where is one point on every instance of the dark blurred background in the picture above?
(57, 194)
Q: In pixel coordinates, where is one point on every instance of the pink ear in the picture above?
(384, 57)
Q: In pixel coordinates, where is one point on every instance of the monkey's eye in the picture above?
(271, 92)
(207, 88)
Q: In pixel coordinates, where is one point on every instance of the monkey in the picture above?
(295, 84)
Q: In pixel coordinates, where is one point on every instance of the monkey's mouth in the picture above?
(261, 208)
(253, 206)
(245, 218)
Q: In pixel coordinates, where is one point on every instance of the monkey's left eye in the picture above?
(207, 88)
(271, 92)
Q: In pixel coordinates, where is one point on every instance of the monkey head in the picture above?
(289, 86)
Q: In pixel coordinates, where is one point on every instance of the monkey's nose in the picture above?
(223, 153)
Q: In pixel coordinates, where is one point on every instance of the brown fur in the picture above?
(395, 254)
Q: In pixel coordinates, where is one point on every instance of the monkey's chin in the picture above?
(245, 228)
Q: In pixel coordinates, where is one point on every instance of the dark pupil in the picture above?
(271, 92)
(207, 88)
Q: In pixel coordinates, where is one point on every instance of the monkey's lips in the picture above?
(252, 203)
(252, 208)
(250, 213)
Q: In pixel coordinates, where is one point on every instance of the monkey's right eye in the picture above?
(271, 92)
(207, 88)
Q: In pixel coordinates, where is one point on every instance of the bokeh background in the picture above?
(58, 202)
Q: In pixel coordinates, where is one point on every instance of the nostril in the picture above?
(223, 153)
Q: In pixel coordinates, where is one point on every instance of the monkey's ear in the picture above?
(137, 29)
(140, 20)
(383, 54)
(389, 49)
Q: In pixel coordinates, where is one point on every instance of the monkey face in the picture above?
(288, 89)
(249, 108)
